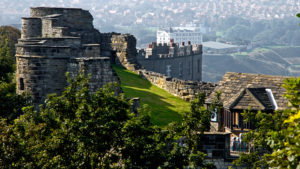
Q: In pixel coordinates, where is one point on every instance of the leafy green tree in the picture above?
(6, 63)
(194, 124)
(80, 129)
(11, 103)
(275, 141)
(196, 121)
(12, 35)
(238, 32)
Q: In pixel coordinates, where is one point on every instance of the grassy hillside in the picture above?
(272, 60)
(163, 106)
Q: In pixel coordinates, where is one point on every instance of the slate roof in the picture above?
(241, 90)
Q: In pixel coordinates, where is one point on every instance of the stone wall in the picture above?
(125, 47)
(40, 76)
(121, 48)
(60, 22)
(187, 68)
(71, 17)
(99, 69)
(184, 89)
(31, 27)
(55, 41)
(183, 62)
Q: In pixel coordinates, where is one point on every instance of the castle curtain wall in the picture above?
(173, 61)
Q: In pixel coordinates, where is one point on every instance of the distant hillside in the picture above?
(12, 34)
(272, 61)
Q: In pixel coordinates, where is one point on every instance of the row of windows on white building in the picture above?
(164, 36)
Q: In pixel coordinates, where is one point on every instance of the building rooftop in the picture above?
(243, 90)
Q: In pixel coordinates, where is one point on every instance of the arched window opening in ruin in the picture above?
(21, 84)
(180, 69)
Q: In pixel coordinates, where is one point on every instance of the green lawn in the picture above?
(164, 107)
(219, 33)
(240, 54)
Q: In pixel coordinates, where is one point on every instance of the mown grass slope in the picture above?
(164, 107)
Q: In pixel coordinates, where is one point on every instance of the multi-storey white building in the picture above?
(179, 35)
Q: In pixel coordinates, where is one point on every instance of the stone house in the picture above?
(242, 91)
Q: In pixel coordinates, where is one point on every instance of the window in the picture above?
(180, 69)
(198, 65)
(235, 119)
(21, 84)
(168, 71)
(189, 68)
(214, 116)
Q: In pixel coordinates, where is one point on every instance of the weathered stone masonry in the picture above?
(121, 48)
(174, 60)
(59, 40)
(184, 89)
(55, 41)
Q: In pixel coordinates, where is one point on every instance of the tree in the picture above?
(238, 32)
(275, 141)
(11, 103)
(195, 123)
(12, 35)
(6, 63)
(80, 129)
(285, 143)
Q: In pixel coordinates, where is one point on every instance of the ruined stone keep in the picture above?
(173, 60)
(59, 40)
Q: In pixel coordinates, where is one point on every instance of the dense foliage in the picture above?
(9, 35)
(6, 63)
(275, 142)
(11, 103)
(80, 129)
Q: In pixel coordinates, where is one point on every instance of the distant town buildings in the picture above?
(184, 34)
(158, 13)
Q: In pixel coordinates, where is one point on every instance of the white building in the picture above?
(179, 35)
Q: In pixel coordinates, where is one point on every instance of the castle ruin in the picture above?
(173, 60)
(59, 40)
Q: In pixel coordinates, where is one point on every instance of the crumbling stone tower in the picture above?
(55, 41)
